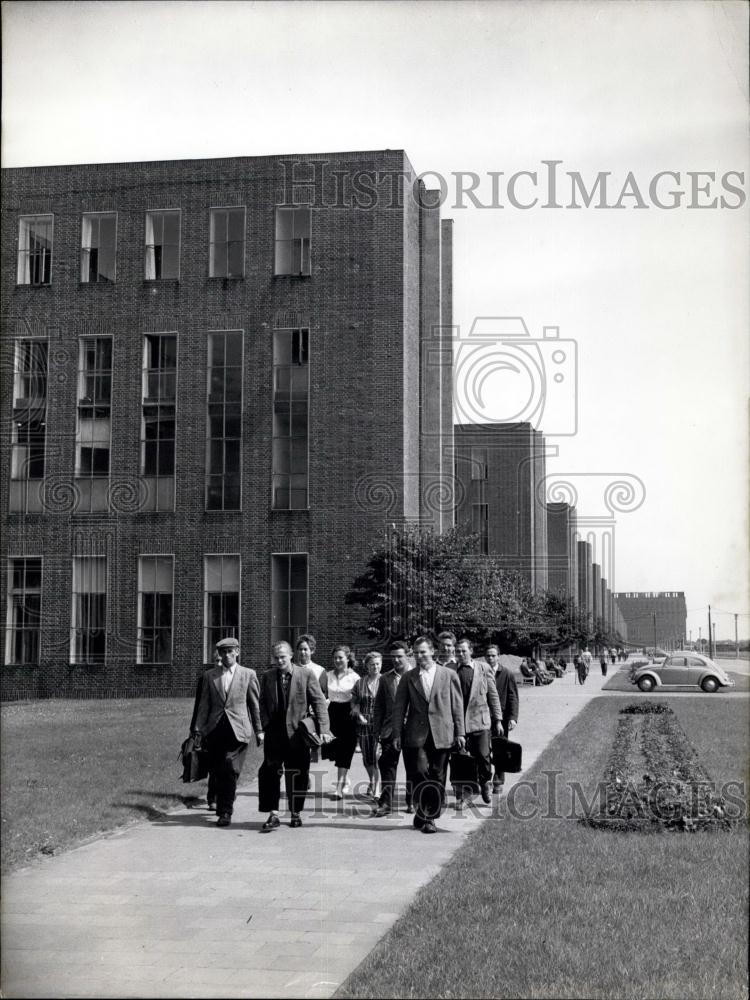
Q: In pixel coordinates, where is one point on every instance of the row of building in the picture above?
(222, 381)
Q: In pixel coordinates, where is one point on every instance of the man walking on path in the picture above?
(446, 655)
(481, 710)
(507, 692)
(227, 715)
(286, 691)
(428, 715)
(383, 729)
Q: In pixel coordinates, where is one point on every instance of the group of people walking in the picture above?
(446, 701)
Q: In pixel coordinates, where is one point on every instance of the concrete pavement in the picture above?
(179, 908)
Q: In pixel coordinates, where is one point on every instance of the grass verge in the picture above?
(545, 907)
(72, 769)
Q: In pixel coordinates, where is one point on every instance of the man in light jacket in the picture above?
(481, 710)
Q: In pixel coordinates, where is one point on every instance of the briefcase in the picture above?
(194, 761)
(506, 755)
(307, 731)
(463, 768)
(328, 750)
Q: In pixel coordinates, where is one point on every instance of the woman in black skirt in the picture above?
(341, 681)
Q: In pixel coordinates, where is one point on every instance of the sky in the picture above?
(652, 302)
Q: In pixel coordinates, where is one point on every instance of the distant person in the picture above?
(507, 692)
(288, 692)
(581, 668)
(613, 655)
(228, 714)
(446, 652)
(587, 658)
(539, 672)
(383, 729)
(603, 662)
(342, 678)
(364, 694)
(428, 718)
(563, 665)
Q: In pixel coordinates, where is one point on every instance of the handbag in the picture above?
(463, 768)
(506, 755)
(194, 761)
(307, 731)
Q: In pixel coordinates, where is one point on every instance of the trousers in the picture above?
(226, 755)
(388, 766)
(425, 768)
(290, 757)
(479, 746)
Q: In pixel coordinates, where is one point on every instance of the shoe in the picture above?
(347, 789)
(429, 827)
(418, 822)
(337, 795)
(409, 809)
(460, 803)
(382, 811)
(224, 819)
(211, 805)
(296, 821)
(272, 823)
(487, 792)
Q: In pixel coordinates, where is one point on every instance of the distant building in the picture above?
(585, 580)
(654, 618)
(562, 550)
(224, 378)
(500, 472)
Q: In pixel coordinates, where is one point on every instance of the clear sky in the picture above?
(656, 300)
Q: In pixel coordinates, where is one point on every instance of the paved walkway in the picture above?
(179, 908)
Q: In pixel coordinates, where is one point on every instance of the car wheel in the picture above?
(710, 684)
(646, 684)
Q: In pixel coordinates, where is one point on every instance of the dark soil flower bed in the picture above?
(654, 781)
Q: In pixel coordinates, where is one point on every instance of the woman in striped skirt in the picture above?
(363, 709)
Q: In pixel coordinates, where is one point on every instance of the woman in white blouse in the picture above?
(341, 681)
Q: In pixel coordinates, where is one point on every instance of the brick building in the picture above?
(562, 550)
(585, 579)
(500, 473)
(222, 379)
(654, 617)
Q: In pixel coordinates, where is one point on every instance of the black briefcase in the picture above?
(463, 768)
(506, 755)
(194, 761)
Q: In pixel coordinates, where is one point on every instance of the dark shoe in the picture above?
(224, 819)
(211, 805)
(272, 823)
(296, 820)
(409, 808)
(487, 792)
(382, 811)
(429, 827)
(418, 822)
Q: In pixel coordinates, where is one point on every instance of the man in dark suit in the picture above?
(287, 691)
(507, 690)
(428, 718)
(481, 710)
(382, 728)
(227, 715)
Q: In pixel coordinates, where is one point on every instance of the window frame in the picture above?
(139, 611)
(301, 273)
(24, 345)
(146, 246)
(82, 249)
(19, 251)
(207, 436)
(305, 628)
(9, 591)
(211, 242)
(208, 652)
(141, 463)
(79, 476)
(274, 437)
(74, 629)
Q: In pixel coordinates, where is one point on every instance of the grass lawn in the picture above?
(620, 682)
(72, 769)
(545, 907)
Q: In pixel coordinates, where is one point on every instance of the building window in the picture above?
(155, 588)
(35, 249)
(224, 421)
(163, 245)
(88, 633)
(159, 388)
(221, 601)
(227, 250)
(479, 463)
(29, 430)
(291, 400)
(23, 618)
(98, 236)
(93, 429)
(288, 597)
(293, 240)
(480, 526)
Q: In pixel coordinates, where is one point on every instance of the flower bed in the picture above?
(654, 780)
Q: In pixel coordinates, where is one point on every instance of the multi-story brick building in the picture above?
(221, 380)
(500, 474)
(585, 580)
(562, 550)
(654, 618)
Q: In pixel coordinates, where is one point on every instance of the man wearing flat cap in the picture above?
(228, 714)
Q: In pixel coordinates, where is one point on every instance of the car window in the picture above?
(676, 661)
(693, 661)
